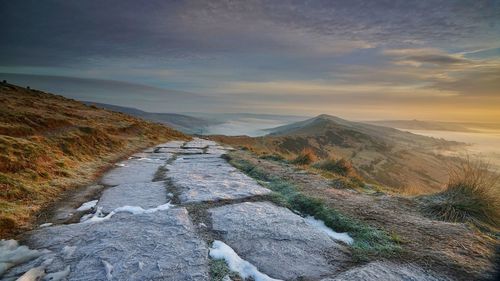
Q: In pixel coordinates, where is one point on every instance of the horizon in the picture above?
(360, 60)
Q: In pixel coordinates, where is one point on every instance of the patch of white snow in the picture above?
(87, 205)
(319, 224)
(45, 224)
(11, 254)
(139, 210)
(59, 275)
(68, 251)
(109, 269)
(245, 269)
(34, 274)
(135, 210)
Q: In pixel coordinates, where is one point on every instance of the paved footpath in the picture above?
(167, 211)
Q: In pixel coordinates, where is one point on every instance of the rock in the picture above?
(132, 171)
(181, 150)
(277, 241)
(199, 143)
(387, 271)
(157, 246)
(171, 144)
(143, 194)
(210, 178)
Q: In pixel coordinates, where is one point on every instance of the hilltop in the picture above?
(390, 157)
(49, 144)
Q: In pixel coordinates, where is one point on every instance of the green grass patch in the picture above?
(219, 269)
(368, 240)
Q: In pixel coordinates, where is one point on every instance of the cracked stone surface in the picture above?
(277, 241)
(387, 271)
(133, 170)
(210, 178)
(156, 246)
(143, 194)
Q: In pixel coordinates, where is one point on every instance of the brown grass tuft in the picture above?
(471, 195)
(340, 167)
(305, 157)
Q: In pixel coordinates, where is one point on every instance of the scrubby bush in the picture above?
(305, 157)
(338, 166)
(273, 157)
(471, 195)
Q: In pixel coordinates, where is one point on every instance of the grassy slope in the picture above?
(49, 143)
(397, 160)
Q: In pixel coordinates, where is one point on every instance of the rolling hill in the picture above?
(49, 144)
(184, 123)
(390, 157)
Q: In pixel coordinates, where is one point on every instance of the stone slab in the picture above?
(207, 178)
(156, 246)
(143, 194)
(277, 241)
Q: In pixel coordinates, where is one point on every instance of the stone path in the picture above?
(140, 229)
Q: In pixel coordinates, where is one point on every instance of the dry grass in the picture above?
(305, 157)
(340, 167)
(49, 144)
(471, 195)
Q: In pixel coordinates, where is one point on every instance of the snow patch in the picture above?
(45, 224)
(97, 217)
(11, 254)
(59, 275)
(87, 205)
(245, 269)
(34, 274)
(135, 210)
(109, 269)
(120, 165)
(319, 224)
(68, 251)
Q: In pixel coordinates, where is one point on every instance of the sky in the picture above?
(358, 59)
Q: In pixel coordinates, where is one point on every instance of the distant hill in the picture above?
(184, 123)
(383, 155)
(49, 144)
(438, 126)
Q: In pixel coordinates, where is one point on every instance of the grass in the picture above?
(305, 157)
(219, 270)
(49, 144)
(340, 167)
(368, 241)
(472, 195)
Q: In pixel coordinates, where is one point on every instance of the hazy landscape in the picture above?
(250, 140)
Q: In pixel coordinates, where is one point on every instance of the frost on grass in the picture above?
(87, 205)
(319, 224)
(11, 254)
(245, 269)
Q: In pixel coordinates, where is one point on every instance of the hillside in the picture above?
(381, 155)
(49, 143)
(184, 123)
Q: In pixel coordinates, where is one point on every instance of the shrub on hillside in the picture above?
(305, 157)
(273, 157)
(471, 195)
(338, 166)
